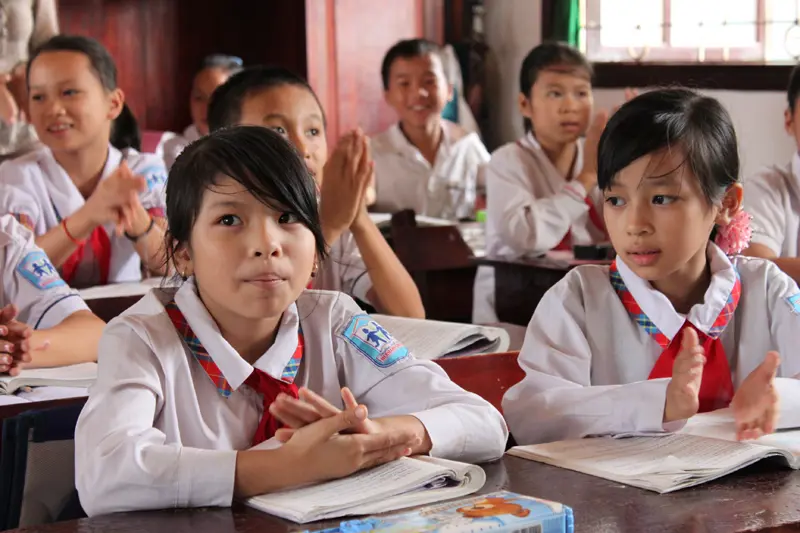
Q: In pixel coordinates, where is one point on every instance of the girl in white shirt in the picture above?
(95, 210)
(213, 72)
(188, 380)
(674, 326)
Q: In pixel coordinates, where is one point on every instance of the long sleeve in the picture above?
(764, 200)
(527, 224)
(556, 400)
(122, 461)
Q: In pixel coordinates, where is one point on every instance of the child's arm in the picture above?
(393, 291)
(72, 341)
(147, 231)
(790, 265)
(556, 399)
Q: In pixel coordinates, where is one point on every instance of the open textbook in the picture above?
(121, 290)
(430, 339)
(406, 482)
(704, 450)
(81, 375)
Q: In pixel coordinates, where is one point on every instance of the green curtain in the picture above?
(566, 22)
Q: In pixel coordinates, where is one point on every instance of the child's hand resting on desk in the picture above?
(311, 407)
(683, 391)
(755, 403)
(15, 343)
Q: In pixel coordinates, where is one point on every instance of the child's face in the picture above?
(249, 260)
(658, 218)
(559, 106)
(203, 87)
(418, 89)
(293, 112)
(68, 105)
(792, 123)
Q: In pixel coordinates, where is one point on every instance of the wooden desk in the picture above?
(763, 498)
(108, 308)
(7, 411)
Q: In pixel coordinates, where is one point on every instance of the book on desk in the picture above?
(82, 375)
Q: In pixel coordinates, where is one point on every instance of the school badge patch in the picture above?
(794, 302)
(369, 338)
(37, 268)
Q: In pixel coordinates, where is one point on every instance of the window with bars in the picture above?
(691, 31)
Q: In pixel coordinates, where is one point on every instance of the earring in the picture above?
(183, 274)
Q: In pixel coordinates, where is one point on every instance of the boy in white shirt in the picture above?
(423, 162)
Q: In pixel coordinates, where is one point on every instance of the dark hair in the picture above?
(545, 56)
(793, 91)
(262, 161)
(406, 49)
(673, 118)
(124, 129)
(225, 107)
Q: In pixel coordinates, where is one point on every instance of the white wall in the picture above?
(513, 27)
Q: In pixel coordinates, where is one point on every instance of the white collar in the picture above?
(530, 143)
(404, 147)
(703, 315)
(235, 369)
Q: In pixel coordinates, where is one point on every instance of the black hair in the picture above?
(261, 160)
(677, 118)
(230, 64)
(793, 91)
(124, 129)
(225, 106)
(545, 56)
(406, 49)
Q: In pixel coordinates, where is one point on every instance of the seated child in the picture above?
(96, 211)
(213, 72)
(423, 162)
(189, 379)
(43, 322)
(676, 325)
(361, 263)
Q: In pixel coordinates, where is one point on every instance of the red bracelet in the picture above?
(73, 239)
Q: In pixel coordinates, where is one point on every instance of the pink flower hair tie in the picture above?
(734, 237)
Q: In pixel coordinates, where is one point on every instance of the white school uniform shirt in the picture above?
(587, 361)
(773, 198)
(530, 209)
(175, 145)
(38, 191)
(404, 179)
(30, 281)
(156, 432)
(344, 270)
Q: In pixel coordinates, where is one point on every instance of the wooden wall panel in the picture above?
(158, 44)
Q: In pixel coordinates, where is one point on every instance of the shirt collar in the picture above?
(403, 146)
(530, 142)
(277, 361)
(703, 315)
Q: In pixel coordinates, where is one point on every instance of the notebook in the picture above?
(121, 290)
(430, 339)
(406, 482)
(706, 449)
(497, 512)
(81, 375)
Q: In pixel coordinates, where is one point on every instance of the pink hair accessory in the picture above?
(734, 237)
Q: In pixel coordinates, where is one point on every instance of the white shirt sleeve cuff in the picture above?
(789, 394)
(766, 240)
(648, 407)
(58, 310)
(447, 432)
(361, 287)
(206, 477)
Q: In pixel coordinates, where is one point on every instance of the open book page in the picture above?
(363, 492)
(720, 425)
(430, 339)
(121, 290)
(81, 375)
(661, 464)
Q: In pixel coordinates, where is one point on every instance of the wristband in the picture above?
(135, 238)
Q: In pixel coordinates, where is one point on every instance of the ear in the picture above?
(182, 259)
(731, 205)
(116, 100)
(524, 103)
(788, 121)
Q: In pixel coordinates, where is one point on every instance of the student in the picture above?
(648, 342)
(177, 401)
(96, 211)
(214, 71)
(423, 162)
(43, 322)
(360, 263)
(542, 189)
(773, 198)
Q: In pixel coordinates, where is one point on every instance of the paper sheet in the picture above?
(121, 290)
(81, 376)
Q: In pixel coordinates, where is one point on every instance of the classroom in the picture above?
(400, 266)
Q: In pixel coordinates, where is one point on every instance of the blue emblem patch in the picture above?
(37, 268)
(369, 338)
(154, 175)
(794, 302)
